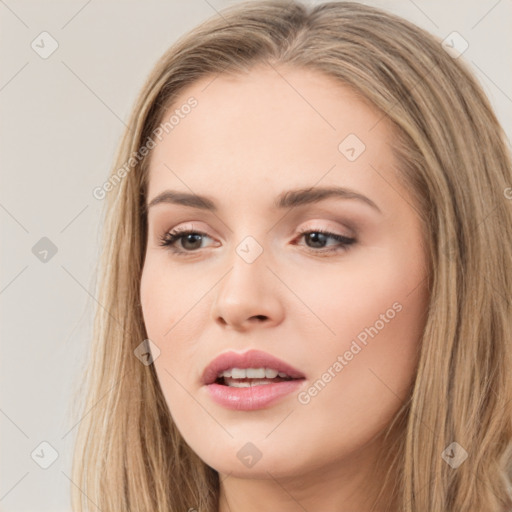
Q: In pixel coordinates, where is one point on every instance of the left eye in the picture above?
(320, 236)
(194, 238)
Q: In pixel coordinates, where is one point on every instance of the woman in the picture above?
(337, 336)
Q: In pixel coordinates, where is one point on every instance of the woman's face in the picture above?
(346, 314)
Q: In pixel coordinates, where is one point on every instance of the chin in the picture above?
(254, 460)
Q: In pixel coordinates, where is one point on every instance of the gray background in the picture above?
(61, 120)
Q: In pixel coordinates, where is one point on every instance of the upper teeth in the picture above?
(252, 373)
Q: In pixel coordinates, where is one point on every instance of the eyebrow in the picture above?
(288, 199)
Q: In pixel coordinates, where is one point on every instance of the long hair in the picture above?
(454, 160)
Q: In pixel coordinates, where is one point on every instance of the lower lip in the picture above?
(254, 397)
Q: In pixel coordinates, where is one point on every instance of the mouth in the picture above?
(248, 369)
(249, 377)
(250, 381)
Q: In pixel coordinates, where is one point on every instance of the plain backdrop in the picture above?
(61, 120)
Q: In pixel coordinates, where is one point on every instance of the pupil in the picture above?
(190, 237)
(315, 237)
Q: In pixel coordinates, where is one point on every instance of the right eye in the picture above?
(183, 236)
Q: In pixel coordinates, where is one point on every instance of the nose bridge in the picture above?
(248, 289)
(248, 270)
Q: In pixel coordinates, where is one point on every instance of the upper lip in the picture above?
(249, 359)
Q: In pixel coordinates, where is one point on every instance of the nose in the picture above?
(248, 296)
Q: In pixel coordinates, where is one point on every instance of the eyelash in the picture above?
(169, 238)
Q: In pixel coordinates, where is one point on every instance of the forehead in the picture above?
(267, 130)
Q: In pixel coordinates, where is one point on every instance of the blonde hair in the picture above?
(452, 158)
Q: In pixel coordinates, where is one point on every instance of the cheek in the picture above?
(365, 373)
(174, 316)
(159, 308)
(387, 292)
(167, 298)
(373, 317)
(154, 302)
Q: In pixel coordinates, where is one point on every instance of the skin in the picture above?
(251, 137)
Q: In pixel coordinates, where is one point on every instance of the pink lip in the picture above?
(254, 397)
(249, 359)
